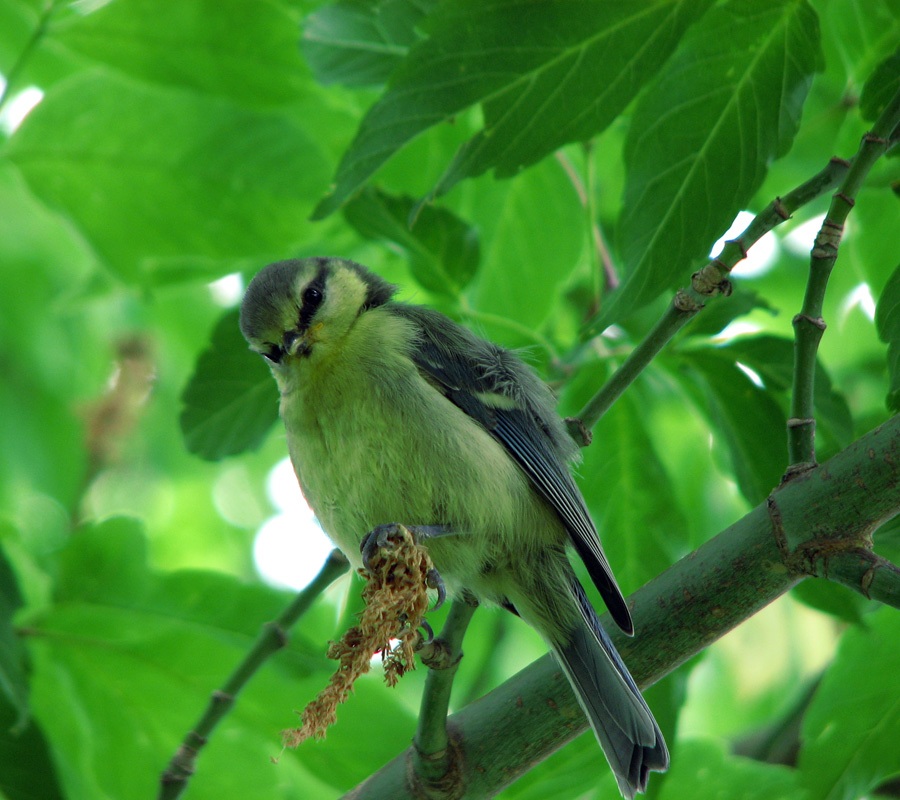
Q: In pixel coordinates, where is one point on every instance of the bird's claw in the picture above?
(429, 633)
(376, 539)
(381, 538)
(434, 581)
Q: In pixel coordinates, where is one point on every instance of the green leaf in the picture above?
(717, 316)
(887, 323)
(772, 358)
(629, 493)
(850, 732)
(136, 666)
(832, 598)
(231, 401)
(702, 138)
(150, 175)
(702, 769)
(230, 48)
(546, 75)
(442, 249)
(361, 43)
(745, 419)
(881, 87)
(13, 682)
(530, 250)
(26, 767)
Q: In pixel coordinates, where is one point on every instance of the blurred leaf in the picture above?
(13, 683)
(858, 37)
(18, 21)
(630, 496)
(546, 75)
(881, 87)
(139, 653)
(702, 769)
(832, 598)
(231, 48)
(745, 419)
(231, 401)
(26, 767)
(104, 151)
(887, 322)
(443, 250)
(530, 249)
(718, 315)
(360, 43)
(851, 730)
(703, 136)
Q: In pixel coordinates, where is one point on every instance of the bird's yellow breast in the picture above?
(372, 442)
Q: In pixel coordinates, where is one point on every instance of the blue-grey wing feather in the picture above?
(466, 370)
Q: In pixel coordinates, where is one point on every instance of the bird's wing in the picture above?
(481, 380)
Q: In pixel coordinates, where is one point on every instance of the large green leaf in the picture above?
(545, 74)
(231, 401)
(245, 51)
(152, 176)
(360, 43)
(443, 250)
(125, 662)
(703, 135)
(851, 730)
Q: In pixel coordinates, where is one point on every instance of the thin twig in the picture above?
(809, 324)
(273, 637)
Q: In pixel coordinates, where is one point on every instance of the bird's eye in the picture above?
(273, 353)
(312, 296)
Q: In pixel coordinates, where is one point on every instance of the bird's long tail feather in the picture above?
(623, 723)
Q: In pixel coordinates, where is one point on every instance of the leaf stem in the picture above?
(272, 638)
(809, 324)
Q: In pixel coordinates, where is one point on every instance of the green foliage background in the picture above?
(176, 143)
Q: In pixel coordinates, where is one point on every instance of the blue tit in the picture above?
(396, 414)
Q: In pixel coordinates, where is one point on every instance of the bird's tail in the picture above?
(624, 725)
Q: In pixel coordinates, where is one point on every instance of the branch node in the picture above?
(686, 304)
(816, 322)
(780, 210)
(709, 281)
(579, 432)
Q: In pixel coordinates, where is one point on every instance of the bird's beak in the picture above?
(296, 343)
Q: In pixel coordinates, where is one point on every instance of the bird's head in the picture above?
(303, 307)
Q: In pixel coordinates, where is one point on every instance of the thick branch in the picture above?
(678, 614)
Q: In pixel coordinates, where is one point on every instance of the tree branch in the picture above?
(809, 324)
(678, 614)
(708, 282)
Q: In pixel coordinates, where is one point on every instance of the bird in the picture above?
(394, 413)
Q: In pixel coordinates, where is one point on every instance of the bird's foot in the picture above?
(385, 537)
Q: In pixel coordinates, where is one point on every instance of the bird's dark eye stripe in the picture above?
(311, 298)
